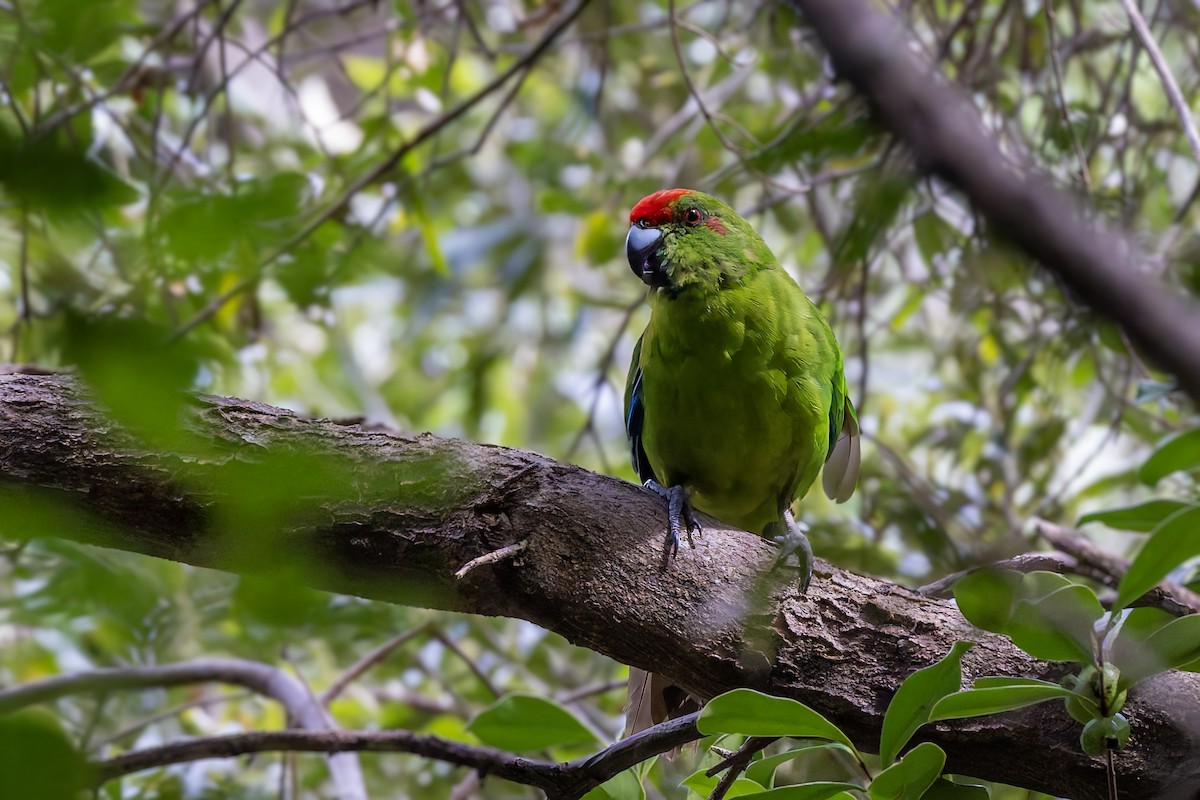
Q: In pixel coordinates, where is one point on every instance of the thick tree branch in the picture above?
(944, 131)
(393, 516)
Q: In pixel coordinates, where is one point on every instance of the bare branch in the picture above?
(1182, 109)
(1170, 597)
(368, 661)
(565, 781)
(945, 133)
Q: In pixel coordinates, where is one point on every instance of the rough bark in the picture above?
(392, 516)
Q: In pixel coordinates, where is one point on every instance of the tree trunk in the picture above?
(393, 516)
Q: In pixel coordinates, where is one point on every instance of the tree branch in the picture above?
(945, 133)
(303, 710)
(393, 516)
(572, 779)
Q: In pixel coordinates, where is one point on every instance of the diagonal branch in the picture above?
(945, 132)
(1182, 109)
(393, 516)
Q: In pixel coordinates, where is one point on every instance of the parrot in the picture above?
(736, 395)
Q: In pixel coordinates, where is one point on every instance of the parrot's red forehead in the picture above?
(656, 208)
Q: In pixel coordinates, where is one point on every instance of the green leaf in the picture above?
(135, 372)
(59, 176)
(1148, 390)
(1175, 540)
(1141, 518)
(763, 770)
(525, 722)
(932, 234)
(878, 205)
(985, 597)
(37, 758)
(908, 778)
(946, 789)
(910, 706)
(753, 713)
(994, 700)
(1177, 453)
(622, 786)
(817, 790)
(78, 31)
(1002, 681)
(704, 785)
(1169, 647)
(1057, 627)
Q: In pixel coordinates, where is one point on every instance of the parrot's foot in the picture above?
(793, 542)
(679, 517)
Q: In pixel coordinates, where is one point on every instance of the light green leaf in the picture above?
(525, 722)
(910, 706)
(994, 700)
(704, 785)
(1171, 646)
(763, 770)
(908, 778)
(1141, 518)
(1057, 627)
(985, 597)
(753, 713)
(622, 786)
(1003, 681)
(818, 790)
(945, 789)
(1175, 540)
(1177, 453)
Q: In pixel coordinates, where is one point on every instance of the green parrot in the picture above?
(736, 396)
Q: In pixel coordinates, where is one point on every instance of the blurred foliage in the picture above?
(328, 205)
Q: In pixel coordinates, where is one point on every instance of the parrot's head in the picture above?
(681, 239)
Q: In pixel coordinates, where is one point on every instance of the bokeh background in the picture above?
(414, 213)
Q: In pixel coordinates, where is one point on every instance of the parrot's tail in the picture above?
(652, 699)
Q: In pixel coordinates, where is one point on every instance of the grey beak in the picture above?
(640, 247)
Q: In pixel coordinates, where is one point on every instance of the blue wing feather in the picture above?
(635, 414)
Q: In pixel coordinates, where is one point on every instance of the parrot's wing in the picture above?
(840, 475)
(635, 413)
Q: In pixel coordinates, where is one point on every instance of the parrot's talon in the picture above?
(680, 518)
(793, 542)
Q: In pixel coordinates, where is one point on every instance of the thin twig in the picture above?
(735, 764)
(491, 558)
(1060, 85)
(1170, 597)
(374, 174)
(478, 672)
(367, 662)
(1182, 109)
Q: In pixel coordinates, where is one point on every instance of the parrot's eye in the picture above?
(693, 216)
